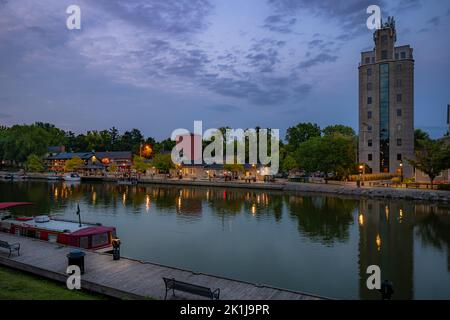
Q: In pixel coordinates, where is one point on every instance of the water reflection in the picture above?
(433, 228)
(330, 221)
(386, 239)
(287, 240)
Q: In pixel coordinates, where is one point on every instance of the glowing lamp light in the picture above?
(361, 219)
(378, 242)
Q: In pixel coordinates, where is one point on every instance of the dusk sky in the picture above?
(158, 65)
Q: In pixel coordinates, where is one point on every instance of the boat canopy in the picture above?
(92, 230)
(7, 205)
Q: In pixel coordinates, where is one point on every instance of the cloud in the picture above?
(435, 21)
(279, 23)
(225, 108)
(263, 55)
(405, 5)
(318, 59)
(153, 44)
(171, 17)
(320, 44)
(347, 12)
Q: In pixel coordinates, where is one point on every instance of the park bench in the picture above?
(11, 247)
(172, 284)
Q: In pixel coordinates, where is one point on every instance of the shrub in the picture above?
(409, 180)
(443, 186)
(396, 180)
(373, 176)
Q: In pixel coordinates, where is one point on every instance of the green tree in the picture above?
(56, 136)
(132, 140)
(300, 133)
(164, 146)
(431, 157)
(328, 154)
(289, 163)
(420, 135)
(139, 164)
(162, 162)
(73, 164)
(35, 164)
(19, 141)
(339, 129)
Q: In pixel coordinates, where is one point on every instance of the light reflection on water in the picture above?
(317, 244)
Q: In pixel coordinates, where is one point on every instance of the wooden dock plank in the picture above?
(138, 278)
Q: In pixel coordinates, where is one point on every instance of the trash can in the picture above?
(76, 257)
(116, 248)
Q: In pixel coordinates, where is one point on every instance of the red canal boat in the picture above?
(85, 235)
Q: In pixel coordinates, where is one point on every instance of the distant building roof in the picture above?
(70, 155)
(114, 155)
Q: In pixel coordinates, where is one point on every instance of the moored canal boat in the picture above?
(84, 235)
(72, 177)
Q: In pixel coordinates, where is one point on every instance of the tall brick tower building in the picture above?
(386, 104)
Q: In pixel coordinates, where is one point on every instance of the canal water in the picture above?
(317, 244)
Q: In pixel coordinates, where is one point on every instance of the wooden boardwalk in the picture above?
(128, 278)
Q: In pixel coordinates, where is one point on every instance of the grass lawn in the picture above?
(18, 285)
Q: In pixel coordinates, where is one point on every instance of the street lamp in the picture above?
(361, 172)
(401, 172)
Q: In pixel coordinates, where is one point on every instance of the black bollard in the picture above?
(386, 290)
(76, 257)
(116, 248)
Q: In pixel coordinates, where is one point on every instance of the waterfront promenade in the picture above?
(332, 188)
(128, 278)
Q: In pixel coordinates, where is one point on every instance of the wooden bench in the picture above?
(12, 247)
(172, 284)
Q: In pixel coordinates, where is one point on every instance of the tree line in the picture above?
(331, 150)
(20, 141)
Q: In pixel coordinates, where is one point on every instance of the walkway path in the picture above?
(128, 278)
